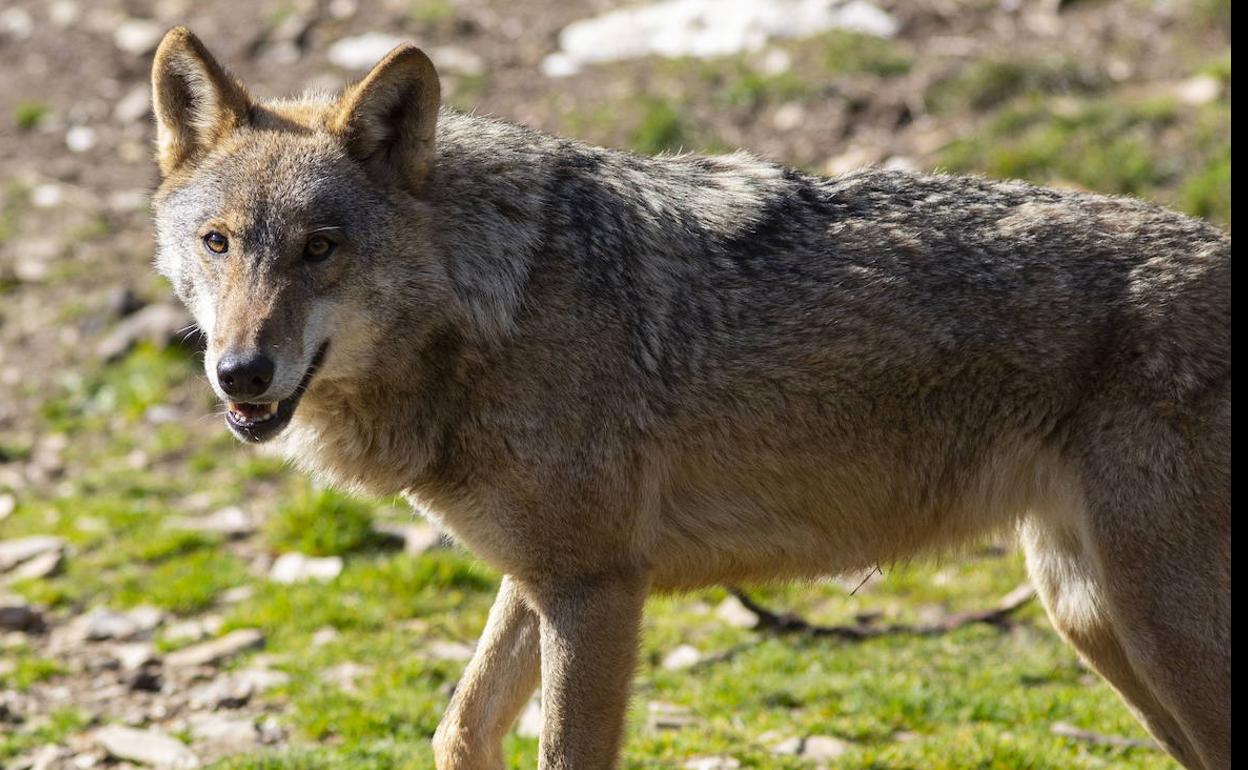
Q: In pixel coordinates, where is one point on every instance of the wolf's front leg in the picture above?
(589, 632)
(499, 678)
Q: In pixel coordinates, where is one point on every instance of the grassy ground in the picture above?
(119, 470)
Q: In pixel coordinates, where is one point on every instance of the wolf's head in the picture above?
(293, 230)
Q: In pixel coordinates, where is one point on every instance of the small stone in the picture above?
(192, 630)
(236, 594)
(530, 723)
(147, 617)
(361, 52)
(80, 138)
(684, 656)
(298, 567)
(47, 196)
(324, 635)
(14, 552)
(232, 522)
(137, 36)
(64, 13)
(102, 623)
(736, 614)
(1199, 90)
(416, 538)
(147, 747)
(789, 747)
(42, 566)
(211, 652)
(712, 763)
(788, 117)
(8, 503)
(128, 201)
(134, 106)
(669, 716)
(135, 656)
(457, 60)
(17, 23)
(454, 651)
(824, 747)
(230, 732)
(161, 324)
(17, 615)
(346, 674)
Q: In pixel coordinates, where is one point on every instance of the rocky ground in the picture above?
(168, 598)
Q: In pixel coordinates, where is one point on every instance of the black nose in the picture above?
(244, 375)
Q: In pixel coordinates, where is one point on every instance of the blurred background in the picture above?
(171, 598)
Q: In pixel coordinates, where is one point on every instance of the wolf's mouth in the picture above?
(261, 422)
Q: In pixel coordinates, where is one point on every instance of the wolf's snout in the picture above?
(245, 376)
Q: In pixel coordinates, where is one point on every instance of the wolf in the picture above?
(608, 374)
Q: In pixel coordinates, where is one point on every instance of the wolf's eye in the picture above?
(318, 248)
(216, 242)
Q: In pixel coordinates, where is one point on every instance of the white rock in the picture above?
(788, 116)
(80, 138)
(232, 522)
(16, 551)
(684, 656)
(102, 623)
(229, 731)
(735, 614)
(824, 747)
(41, 566)
(136, 655)
(789, 747)
(298, 567)
(712, 763)
(138, 36)
(443, 650)
(147, 747)
(192, 630)
(361, 52)
(134, 106)
(64, 13)
(47, 196)
(1198, 90)
(457, 60)
(530, 723)
(706, 28)
(8, 503)
(17, 22)
(207, 653)
(324, 635)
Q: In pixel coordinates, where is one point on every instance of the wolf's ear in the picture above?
(196, 102)
(388, 119)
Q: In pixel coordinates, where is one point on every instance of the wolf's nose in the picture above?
(246, 375)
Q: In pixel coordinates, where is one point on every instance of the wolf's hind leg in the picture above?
(1066, 582)
(1158, 525)
(499, 679)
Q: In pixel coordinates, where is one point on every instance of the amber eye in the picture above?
(216, 242)
(318, 248)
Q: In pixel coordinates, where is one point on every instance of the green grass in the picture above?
(322, 523)
(27, 115)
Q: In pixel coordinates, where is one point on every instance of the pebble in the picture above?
(298, 567)
(80, 139)
(362, 51)
(216, 650)
(147, 747)
(232, 522)
(192, 630)
(530, 723)
(160, 324)
(138, 36)
(134, 656)
(102, 623)
(453, 651)
(683, 657)
(134, 106)
(824, 747)
(8, 503)
(1198, 90)
(14, 552)
(18, 615)
(42, 566)
(712, 763)
(736, 614)
(47, 196)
